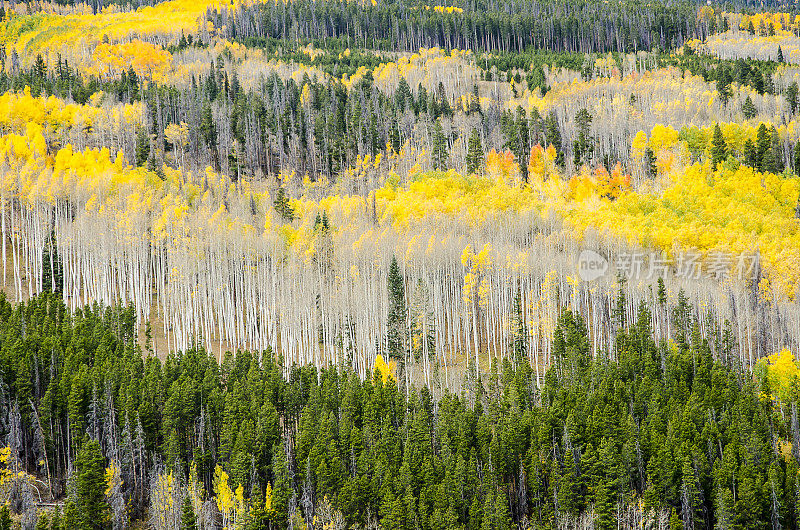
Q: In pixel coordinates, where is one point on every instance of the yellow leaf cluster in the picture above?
(782, 372)
(739, 212)
(146, 59)
(386, 370)
(113, 478)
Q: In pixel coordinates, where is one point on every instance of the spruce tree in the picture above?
(402, 96)
(584, 144)
(142, 147)
(719, 149)
(444, 104)
(474, 153)
(522, 147)
(569, 494)
(55, 521)
(604, 507)
(553, 136)
(791, 97)
(474, 101)
(724, 84)
(651, 170)
(188, 519)
(282, 205)
(749, 109)
(439, 154)
(5, 517)
(519, 331)
(422, 99)
(764, 157)
(796, 158)
(776, 151)
(92, 510)
(750, 154)
(396, 322)
(40, 67)
(394, 136)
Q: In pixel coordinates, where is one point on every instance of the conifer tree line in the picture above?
(510, 25)
(321, 127)
(648, 432)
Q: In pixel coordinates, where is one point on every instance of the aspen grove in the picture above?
(388, 264)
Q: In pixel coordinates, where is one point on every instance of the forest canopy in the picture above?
(393, 264)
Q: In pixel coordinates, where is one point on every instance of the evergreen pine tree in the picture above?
(749, 109)
(583, 145)
(444, 104)
(188, 519)
(604, 507)
(5, 517)
(651, 170)
(439, 154)
(55, 521)
(474, 153)
(750, 154)
(619, 307)
(396, 322)
(142, 147)
(402, 96)
(422, 99)
(719, 149)
(89, 494)
(522, 147)
(394, 136)
(474, 101)
(776, 151)
(724, 84)
(40, 68)
(519, 331)
(569, 494)
(791, 97)
(765, 157)
(282, 205)
(553, 136)
(796, 158)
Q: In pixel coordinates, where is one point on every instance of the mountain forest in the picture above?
(385, 264)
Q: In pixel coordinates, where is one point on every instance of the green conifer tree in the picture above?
(188, 518)
(92, 510)
(474, 153)
(282, 205)
(396, 320)
(651, 170)
(791, 97)
(749, 109)
(719, 149)
(439, 152)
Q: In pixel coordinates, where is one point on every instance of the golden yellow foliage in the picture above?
(781, 372)
(386, 370)
(467, 198)
(113, 478)
(5, 474)
(225, 497)
(739, 212)
(146, 59)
